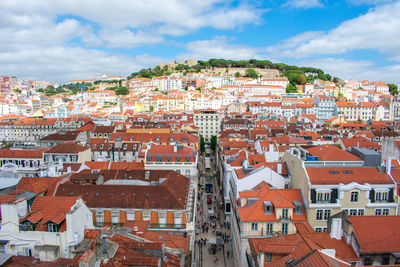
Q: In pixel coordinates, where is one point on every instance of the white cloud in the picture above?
(59, 63)
(219, 48)
(355, 69)
(43, 38)
(370, 2)
(377, 30)
(303, 3)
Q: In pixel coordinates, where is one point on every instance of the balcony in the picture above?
(285, 218)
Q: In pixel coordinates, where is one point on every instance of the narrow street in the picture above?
(212, 246)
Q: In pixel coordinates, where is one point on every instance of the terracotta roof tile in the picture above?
(346, 175)
(372, 237)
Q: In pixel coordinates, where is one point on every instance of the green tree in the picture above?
(122, 91)
(186, 87)
(237, 74)
(291, 88)
(151, 108)
(156, 89)
(394, 90)
(202, 145)
(213, 142)
(251, 73)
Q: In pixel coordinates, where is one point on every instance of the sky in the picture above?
(59, 41)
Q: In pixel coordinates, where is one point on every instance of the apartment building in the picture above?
(331, 186)
(30, 130)
(265, 211)
(50, 229)
(18, 163)
(209, 122)
(326, 106)
(162, 198)
(177, 157)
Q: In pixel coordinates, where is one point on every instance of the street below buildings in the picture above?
(213, 242)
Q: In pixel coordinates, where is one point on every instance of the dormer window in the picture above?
(158, 138)
(171, 138)
(125, 146)
(101, 146)
(267, 207)
(131, 138)
(297, 207)
(109, 146)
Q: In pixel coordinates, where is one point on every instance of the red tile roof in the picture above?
(36, 185)
(45, 209)
(335, 175)
(68, 148)
(22, 153)
(332, 153)
(280, 198)
(377, 234)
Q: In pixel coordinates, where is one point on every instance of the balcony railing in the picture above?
(285, 218)
(167, 226)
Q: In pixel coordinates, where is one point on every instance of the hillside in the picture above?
(247, 68)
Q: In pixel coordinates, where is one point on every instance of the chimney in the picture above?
(175, 148)
(69, 169)
(336, 228)
(271, 147)
(147, 175)
(279, 168)
(388, 165)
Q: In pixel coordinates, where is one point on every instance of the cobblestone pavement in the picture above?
(204, 258)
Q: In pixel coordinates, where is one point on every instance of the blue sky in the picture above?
(63, 40)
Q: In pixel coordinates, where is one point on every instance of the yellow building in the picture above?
(329, 187)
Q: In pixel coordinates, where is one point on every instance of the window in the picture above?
(284, 228)
(130, 215)
(177, 218)
(285, 213)
(378, 196)
(146, 215)
(385, 260)
(354, 197)
(318, 229)
(367, 261)
(187, 172)
(270, 228)
(385, 211)
(384, 196)
(115, 216)
(319, 214)
(254, 226)
(353, 212)
(360, 212)
(99, 217)
(323, 197)
(3, 247)
(268, 257)
(378, 212)
(327, 214)
(162, 218)
(52, 227)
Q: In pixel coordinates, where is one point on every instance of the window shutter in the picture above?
(372, 195)
(313, 196)
(334, 195)
(391, 199)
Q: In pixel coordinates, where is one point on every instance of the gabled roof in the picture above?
(50, 209)
(280, 198)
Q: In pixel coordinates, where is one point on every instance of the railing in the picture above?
(285, 218)
(333, 163)
(167, 226)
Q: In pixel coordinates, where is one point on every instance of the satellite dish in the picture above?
(21, 212)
